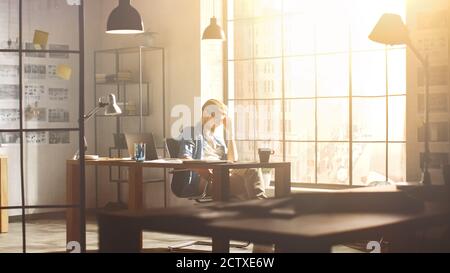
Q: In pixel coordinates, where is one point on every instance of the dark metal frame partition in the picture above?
(82, 205)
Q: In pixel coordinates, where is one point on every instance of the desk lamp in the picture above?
(111, 109)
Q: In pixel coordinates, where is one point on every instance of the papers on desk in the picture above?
(167, 161)
(201, 161)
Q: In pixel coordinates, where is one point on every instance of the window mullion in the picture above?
(350, 111)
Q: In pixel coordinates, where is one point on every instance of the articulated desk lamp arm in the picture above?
(111, 109)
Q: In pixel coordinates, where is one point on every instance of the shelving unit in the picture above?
(133, 96)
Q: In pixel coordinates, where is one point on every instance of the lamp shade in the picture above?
(390, 30)
(124, 19)
(112, 109)
(213, 31)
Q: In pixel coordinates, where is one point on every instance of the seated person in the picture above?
(202, 143)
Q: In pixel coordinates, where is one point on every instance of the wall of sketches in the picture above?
(50, 97)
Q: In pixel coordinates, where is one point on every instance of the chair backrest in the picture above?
(173, 147)
(182, 184)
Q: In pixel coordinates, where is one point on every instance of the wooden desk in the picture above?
(3, 194)
(135, 180)
(119, 232)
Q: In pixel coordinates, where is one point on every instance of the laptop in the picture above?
(147, 138)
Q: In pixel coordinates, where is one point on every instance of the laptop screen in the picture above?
(147, 138)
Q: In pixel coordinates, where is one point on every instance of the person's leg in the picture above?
(245, 184)
(202, 186)
(248, 180)
(237, 187)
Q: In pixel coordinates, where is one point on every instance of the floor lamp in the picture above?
(390, 30)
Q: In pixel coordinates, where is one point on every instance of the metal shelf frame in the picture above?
(122, 89)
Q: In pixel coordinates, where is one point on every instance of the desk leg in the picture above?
(136, 187)
(136, 199)
(3, 195)
(221, 184)
(282, 181)
(118, 236)
(220, 245)
(282, 189)
(221, 192)
(73, 197)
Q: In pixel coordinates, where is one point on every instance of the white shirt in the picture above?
(212, 150)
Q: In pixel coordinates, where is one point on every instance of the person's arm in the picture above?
(232, 151)
(187, 148)
(229, 138)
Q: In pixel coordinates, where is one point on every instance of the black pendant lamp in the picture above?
(125, 19)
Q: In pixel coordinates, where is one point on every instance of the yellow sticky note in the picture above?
(40, 38)
(64, 72)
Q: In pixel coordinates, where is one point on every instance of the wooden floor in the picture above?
(49, 235)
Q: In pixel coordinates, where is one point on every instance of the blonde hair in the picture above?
(213, 102)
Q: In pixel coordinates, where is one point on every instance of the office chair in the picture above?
(180, 177)
(178, 183)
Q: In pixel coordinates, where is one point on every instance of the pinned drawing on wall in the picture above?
(34, 71)
(73, 2)
(35, 113)
(40, 39)
(61, 48)
(58, 115)
(58, 94)
(59, 138)
(10, 138)
(31, 46)
(34, 93)
(9, 92)
(64, 72)
(36, 137)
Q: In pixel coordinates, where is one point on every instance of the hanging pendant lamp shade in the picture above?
(213, 31)
(125, 19)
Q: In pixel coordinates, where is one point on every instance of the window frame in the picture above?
(350, 141)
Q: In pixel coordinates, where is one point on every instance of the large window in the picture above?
(304, 79)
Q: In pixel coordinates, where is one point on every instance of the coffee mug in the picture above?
(264, 154)
(139, 151)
